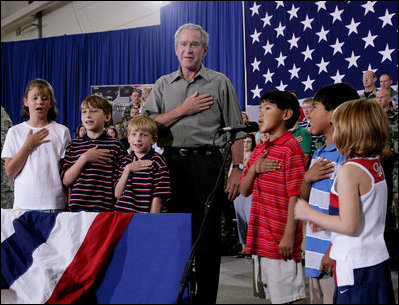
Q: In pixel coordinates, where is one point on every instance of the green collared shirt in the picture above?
(196, 130)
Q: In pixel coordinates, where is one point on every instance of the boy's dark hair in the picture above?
(333, 95)
(283, 100)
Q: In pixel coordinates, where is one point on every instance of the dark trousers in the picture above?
(193, 177)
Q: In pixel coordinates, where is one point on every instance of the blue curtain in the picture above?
(135, 56)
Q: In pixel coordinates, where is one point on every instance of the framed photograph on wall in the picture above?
(122, 96)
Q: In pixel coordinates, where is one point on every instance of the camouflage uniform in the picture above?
(7, 184)
(372, 95)
(393, 150)
(125, 122)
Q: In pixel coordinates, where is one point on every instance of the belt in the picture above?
(191, 151)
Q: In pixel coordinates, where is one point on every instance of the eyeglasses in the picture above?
(368, 77)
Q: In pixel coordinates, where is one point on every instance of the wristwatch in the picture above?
(239, 165)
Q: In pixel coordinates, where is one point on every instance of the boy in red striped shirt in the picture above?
(274, 236)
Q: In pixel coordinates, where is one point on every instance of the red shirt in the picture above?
(270, 197)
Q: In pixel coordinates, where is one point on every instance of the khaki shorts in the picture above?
(278, 280)
(321, 289)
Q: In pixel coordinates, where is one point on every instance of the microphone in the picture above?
(247, 127)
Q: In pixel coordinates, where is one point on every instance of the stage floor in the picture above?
(235, 282)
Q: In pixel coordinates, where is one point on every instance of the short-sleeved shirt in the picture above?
(38, 185)
(369, 95)
(195, 130)
(93, 190)
(317, 243)
(270, 197)
(143, 186)
(306, 142)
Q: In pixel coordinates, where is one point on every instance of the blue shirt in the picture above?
(317, 243)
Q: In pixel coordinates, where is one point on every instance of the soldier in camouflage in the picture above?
(7, 184)
(134, 110)
(393, 149)
(390, 161)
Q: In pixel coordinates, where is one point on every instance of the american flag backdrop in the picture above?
(304, 45)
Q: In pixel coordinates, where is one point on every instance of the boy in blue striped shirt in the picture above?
(316, 188)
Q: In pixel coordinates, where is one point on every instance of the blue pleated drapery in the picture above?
(73, 63)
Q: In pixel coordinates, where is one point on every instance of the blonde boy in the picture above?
(144, 183)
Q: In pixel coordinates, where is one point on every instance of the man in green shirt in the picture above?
(304, 137)
(190, 105)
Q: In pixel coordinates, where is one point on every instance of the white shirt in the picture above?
(367, 248)
(38, 186)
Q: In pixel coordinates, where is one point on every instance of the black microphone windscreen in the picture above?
(252, 127)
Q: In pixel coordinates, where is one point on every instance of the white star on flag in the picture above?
(281, 60)
(279, 3)
(337, 47)
(293, 12)
(280, 30)
(303, 46)
(321, 5)
(336, 14)
(369, 40)
(337, 77)
(308, 83)
(307, 23)
(369, 7)
(369, 68)
(294, 72)
(352, 27)
(268, 47)
(255, 8)
(322, 34)
(322, 65)
(255, 65)
(387, 18)
(386, 54)
(282, 86)
(256, 91)
(255, 36)
(352, 60)
(268, 76)
(266, 19)
(308, 53)
(293, 41)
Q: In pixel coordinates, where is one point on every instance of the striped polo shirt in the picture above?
(94, 188)
(270, 197)
(317, 243)
(143, 186)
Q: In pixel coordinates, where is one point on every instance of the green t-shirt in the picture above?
(306, 142)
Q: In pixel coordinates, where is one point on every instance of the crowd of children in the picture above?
(341, 194)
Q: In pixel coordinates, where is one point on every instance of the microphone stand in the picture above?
(189, 273)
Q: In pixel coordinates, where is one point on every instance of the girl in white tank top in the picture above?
(358, 202)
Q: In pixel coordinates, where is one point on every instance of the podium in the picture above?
(148, 262)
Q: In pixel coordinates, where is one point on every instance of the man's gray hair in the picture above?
(193, 27)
